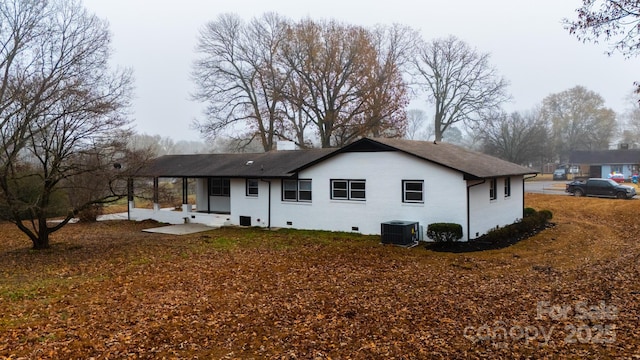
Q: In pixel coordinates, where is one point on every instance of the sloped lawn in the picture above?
(108, 290)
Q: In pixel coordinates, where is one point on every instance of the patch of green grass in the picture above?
(143, 260)
(19, 294)
(42, 289)
(220, 243)
(282, 239)
(48, 337)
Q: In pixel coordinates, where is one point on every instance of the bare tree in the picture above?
(154, 144)
(273, 79)
(62, 112)
(328, 60)
(387, 93)
(460, 83)
(579, 121)
(617, 21)
(519, 138)
(342, 84)
(416, 120)
(157, 145)
(238, 76)
(629, 124)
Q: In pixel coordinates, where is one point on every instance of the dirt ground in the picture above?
(108, 290)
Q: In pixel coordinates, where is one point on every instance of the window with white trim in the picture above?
(348, 190)
(507, 187)
(296, 190)
(413, 191)
(252, 187)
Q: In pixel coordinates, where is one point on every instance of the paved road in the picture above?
(546, 187)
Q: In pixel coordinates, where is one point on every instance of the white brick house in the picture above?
(354, 188)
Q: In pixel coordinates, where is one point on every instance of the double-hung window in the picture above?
(252, 187)
(296, 190)
(348, 190)
(507, 187)
(413, 191)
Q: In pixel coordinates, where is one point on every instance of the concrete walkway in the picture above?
(116, 216)
(181, 229)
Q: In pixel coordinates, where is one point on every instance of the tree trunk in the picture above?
(42, 240)
(41, 243)
(438, 131)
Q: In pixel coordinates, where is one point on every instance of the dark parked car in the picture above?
(560, 174)
(600, 187)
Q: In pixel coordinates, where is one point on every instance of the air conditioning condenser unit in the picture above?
(399, 232)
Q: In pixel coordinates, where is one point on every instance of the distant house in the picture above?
(602, 163)
(354, 188)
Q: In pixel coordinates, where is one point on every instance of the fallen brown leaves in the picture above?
(108, 290)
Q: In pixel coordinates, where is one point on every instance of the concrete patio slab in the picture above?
(181, 229)
(116, 216)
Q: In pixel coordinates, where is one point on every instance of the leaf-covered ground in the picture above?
(108, 291)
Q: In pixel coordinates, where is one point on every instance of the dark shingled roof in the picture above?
(271, 164)
(458, 158)
(276, 164)
(600, 157)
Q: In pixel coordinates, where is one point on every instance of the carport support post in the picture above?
(156, 202)
(185, 195)
(130, 202)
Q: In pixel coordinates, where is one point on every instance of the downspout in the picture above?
(269, 204)
(469, 208)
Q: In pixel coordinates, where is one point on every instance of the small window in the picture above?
(492, 189)
(290, 190)
(219, 187)
(339, 189)
(252, 187)
(348, 190)
(304, 190)
(412, 191)
(296, 190)
(357, 189)
(507, 187)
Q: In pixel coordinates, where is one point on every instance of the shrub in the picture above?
(547, 214)
(444, 232)
(527, 225)
(529, 212)
(90, 214)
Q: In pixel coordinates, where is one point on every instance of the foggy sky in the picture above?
(526, 40)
